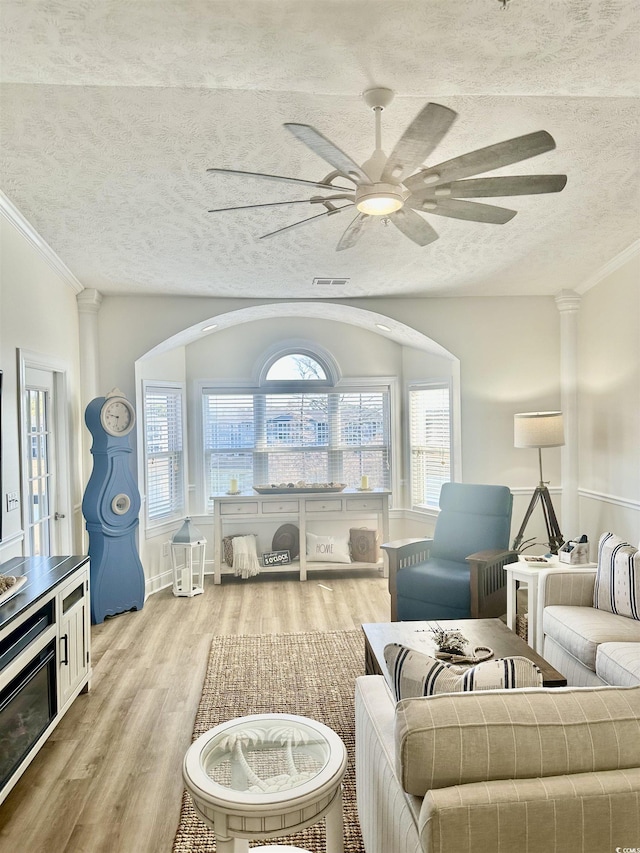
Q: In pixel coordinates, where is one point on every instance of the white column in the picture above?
(89, 302)
(88, 307)
(568, 303)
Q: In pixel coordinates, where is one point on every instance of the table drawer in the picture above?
(326, 505)
(280, 506)
(239, 508)
(371, 504)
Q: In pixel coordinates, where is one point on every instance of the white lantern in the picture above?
(187, 560)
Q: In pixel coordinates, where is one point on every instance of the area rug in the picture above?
(310, 674)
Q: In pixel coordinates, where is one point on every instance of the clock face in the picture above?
(117, 416)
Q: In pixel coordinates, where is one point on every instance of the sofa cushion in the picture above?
(617, 587)
(413, 673)
(619, 663)
(580, 630)
(453, 739)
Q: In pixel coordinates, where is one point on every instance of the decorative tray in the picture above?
(9, 593)
(299, 490)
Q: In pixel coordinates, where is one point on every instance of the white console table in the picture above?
(350, 508)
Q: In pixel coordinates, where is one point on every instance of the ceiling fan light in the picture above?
(379, 199)
(380, 205)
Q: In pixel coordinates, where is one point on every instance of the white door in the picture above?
(40, 463)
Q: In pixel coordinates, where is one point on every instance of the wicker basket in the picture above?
(227, 547)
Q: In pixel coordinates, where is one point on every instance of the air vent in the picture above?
(330, 282)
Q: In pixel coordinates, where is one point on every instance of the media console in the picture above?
(45, 659)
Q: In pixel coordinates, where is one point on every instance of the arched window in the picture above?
(296, 366)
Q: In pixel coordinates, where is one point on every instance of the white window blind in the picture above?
(163, 433)
(315, 436)
(430, 443)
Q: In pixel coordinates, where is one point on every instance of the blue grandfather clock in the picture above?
(110, 506)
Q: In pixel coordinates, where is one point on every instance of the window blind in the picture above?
(163, 432)
(315, 436)
(430, 443)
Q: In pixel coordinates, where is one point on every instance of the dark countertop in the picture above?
(43, 574)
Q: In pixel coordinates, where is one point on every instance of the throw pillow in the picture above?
(617, 586)
(327, 549)
(414, 673)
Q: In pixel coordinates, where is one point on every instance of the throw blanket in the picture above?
(245, 557)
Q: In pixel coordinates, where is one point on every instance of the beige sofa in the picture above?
(547, 771)
(588, 646)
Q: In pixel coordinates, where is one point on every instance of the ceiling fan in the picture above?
(390, 187)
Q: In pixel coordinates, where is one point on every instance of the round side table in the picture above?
(267, 775)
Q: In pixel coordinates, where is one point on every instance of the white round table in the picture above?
(267, 775)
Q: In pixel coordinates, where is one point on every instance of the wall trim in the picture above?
(610, 267)
(18, 536)
(11, 212)
(627, 503)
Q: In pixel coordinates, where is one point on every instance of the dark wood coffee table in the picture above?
(480, 632)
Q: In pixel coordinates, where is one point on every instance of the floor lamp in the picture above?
(540, 429)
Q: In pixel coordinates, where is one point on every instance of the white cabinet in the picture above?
(73, 636)
(313, 512)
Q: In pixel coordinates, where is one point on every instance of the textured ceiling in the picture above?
(113, 110)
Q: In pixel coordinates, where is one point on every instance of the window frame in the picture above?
(154, 525)
(363, 385)
(432, 384)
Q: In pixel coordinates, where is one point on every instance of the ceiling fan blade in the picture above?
(469, 210)
(265, 204)
(324, 148)
(483, 160)
(486, 187)
(413, 226)
(418, 141)
(304, 221)
(281, 178)
(353, 232)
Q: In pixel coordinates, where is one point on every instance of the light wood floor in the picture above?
(109, 778)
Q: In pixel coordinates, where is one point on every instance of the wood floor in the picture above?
(109, 778)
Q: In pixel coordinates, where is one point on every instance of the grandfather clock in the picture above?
(110, 506)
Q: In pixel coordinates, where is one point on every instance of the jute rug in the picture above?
(309, 674)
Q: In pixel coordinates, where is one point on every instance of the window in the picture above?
(430, 442)
(292, 429)
(163, 444)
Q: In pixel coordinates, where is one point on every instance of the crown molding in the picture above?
(610, 267)
(11, 212)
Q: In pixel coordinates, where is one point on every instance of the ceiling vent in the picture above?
(330, 282)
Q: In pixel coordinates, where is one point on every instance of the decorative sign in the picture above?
(276, 558)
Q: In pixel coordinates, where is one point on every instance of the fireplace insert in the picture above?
(28, 700)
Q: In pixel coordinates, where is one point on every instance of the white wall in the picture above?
(38, 313)
(609, 405)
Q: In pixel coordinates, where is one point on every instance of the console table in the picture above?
(349, 508)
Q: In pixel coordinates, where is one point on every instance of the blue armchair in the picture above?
(459, 574)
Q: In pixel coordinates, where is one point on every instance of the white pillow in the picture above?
(413, 673)
(327, 549)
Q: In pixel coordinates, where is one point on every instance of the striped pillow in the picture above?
(413, 674)
(617, 586)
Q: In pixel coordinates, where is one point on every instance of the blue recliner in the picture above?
(460, 572)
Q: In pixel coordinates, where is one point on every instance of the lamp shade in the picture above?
(188, 534)
(538, 429)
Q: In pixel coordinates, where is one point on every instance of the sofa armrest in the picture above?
(489, 583)
(400, 554)
(573, 587)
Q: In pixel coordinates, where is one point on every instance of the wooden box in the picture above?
(364, 545)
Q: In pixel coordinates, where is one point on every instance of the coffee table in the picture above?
(480, 632)
(266, 775)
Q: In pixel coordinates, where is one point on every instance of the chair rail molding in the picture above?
(568, 304)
